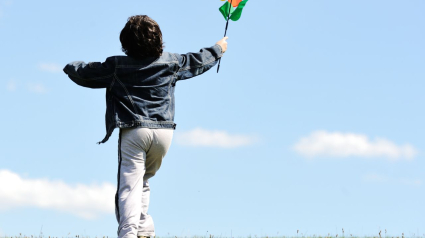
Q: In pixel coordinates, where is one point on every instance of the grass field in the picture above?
(212, 236)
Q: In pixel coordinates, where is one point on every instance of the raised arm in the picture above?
(93, 74)
(193, 64)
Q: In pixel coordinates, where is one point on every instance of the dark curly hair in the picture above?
(141, 37)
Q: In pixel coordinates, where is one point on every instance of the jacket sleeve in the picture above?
(93, 74)
(194, 64)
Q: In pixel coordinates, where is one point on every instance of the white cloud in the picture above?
(87, 201)
(202, 137)
(411, 182)
(32, 87)
(7, 2)
(323, 143)
(36, 88)
(3, 4)
(50, 67)
(376, 178)
(11, 86)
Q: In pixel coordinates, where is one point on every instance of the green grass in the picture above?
(212, 236)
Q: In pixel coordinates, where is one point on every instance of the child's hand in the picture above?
(223, 44)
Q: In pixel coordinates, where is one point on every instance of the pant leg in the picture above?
(133, 144)
(161, 141)
(146, 225)
(141, 151)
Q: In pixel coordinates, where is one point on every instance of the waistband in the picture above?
(145, 124)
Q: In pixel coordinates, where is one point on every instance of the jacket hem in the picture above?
(144, 124)
(147, 124)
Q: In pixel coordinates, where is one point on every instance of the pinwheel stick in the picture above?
(225, 31)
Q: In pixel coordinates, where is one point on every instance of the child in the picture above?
(140, 101)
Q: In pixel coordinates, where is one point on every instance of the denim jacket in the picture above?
(140, 92)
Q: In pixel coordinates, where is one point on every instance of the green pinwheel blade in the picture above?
(238, 12)
(225, 10)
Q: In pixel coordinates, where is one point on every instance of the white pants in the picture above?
(140, 154)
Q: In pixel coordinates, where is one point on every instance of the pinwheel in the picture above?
(231, 10)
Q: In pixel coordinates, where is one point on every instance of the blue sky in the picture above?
(314, 123)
